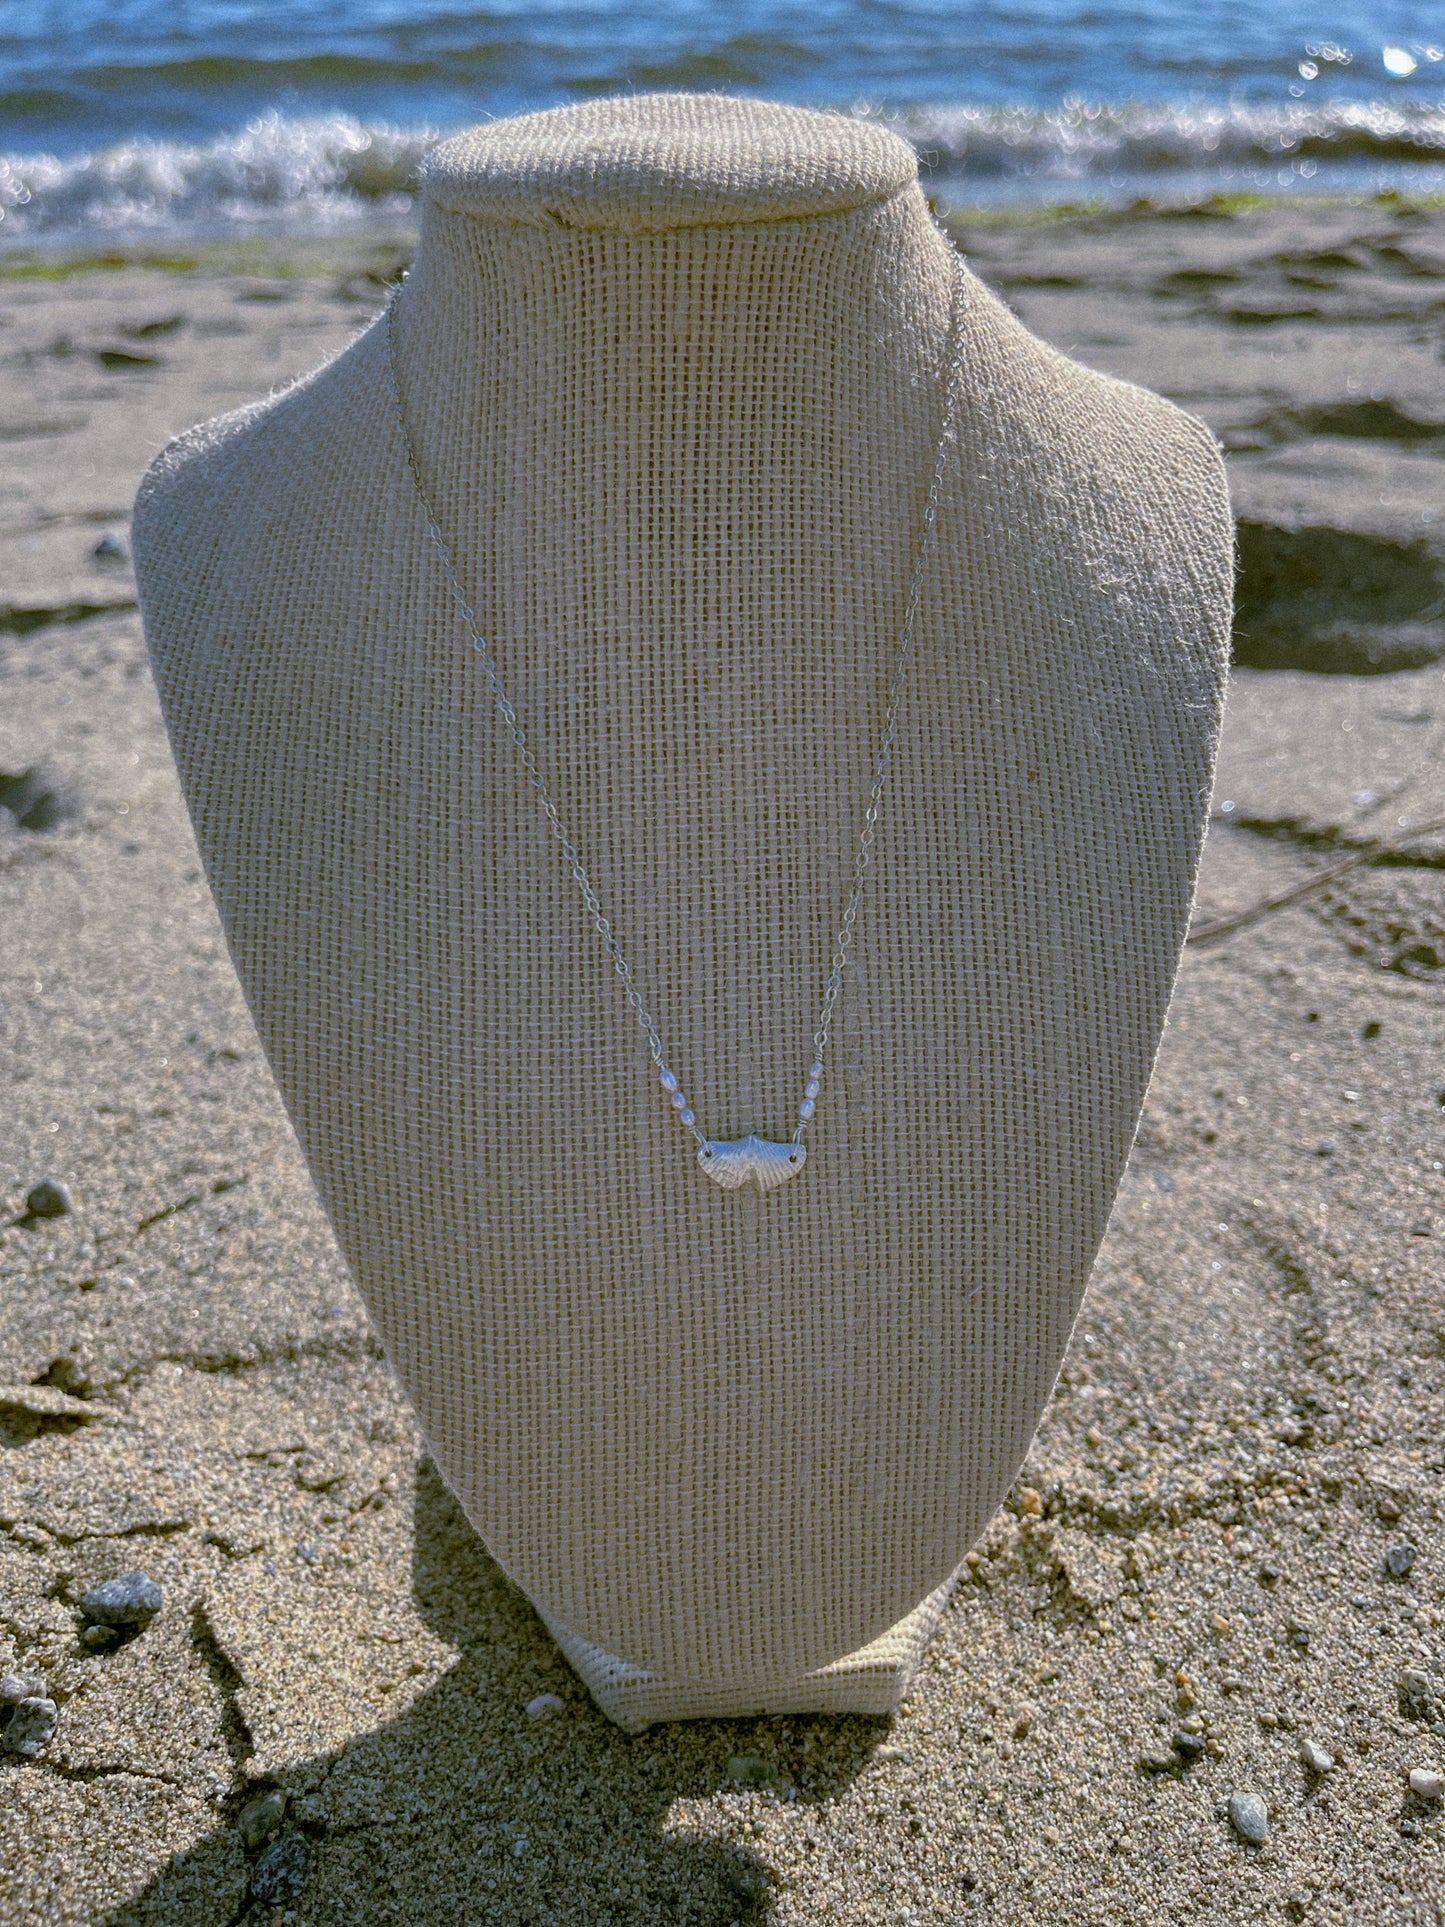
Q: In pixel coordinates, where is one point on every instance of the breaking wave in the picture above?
(1089, 140)
(293, 175)
(334, 172)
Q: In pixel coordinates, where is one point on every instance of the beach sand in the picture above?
(1249, 1419)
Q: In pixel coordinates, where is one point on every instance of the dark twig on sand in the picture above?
(1370, 852)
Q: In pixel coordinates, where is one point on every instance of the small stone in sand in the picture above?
(281, 1874)
(546, 1706)
(110, 549)
(130, 1600)
(1249, 1817)
(15, 1687)
(1399, 1559)
(1416, 1692)
(49, 1199)
(262, 1817)
(1188, 1746)
(1426, 1782)
(1316, 1758)
(748, 1885)
(32, 1726)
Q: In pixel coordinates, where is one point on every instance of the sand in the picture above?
(1249, 1419)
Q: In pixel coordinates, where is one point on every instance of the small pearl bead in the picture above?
(679, 1102)
(814, 1071)
(805, 1109)
(813, 1087)
(669, 1082)
(686, 1117)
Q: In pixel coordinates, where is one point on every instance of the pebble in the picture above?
(1249, 1817)
(1417, 1693)
(283, 1870)
(130, 1600)
(110, 548)
(15, 1687)
(749, 1885)
(1189, 1746)
(49, 1199)
(32, 1726)
(1316, 1757)
(746, 1769)
(1426, 1782)
(1399, 1559)
(546, 1706)
(259, 1819)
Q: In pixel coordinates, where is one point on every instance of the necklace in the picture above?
(735, 1162)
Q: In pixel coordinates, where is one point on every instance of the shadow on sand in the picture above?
(462, 1810)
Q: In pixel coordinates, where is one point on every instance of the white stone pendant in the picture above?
(751, 1160)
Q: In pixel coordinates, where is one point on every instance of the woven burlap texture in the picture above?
(672, 365)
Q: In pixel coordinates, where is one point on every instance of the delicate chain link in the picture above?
(881, 762)
(902, 656)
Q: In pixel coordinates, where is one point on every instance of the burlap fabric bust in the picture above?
(673, 369)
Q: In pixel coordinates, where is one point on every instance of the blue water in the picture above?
(123, 114)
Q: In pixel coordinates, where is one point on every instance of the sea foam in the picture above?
(335, 172)
(276, 174)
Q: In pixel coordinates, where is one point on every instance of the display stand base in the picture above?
(872, 1680)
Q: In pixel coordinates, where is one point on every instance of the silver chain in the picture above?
(882, 761)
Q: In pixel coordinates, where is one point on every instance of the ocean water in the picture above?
(126, 116)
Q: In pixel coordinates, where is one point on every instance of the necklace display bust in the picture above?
(675, 369)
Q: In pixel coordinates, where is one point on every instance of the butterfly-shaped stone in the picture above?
(751, 1160)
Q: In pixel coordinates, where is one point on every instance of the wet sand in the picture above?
(1250, 1417)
